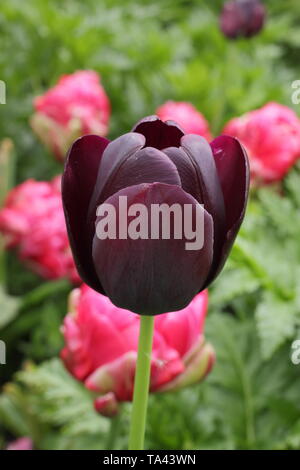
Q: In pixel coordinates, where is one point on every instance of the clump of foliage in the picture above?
(147, 53)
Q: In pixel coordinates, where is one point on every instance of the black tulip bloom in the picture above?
(242, 18)
(156, 163)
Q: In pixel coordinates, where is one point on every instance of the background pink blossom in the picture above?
(271, 136)
(101, 347)
(32, 221)
(187, 116)
(23, 443)
(76, 105)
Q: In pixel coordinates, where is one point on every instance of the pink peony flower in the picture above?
(32, 220)
(23, 443)
(187, 116)
(77, 105)
(101, 347)
(271, 136)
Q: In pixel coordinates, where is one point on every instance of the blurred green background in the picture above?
(146, 53)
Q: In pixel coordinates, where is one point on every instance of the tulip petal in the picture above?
(159, 134)
(233, 170)
(186, 170)
(78, 182)
(200, 154)
(114, 156)
(141, 275)
(147, 165)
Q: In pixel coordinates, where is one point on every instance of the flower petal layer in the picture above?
(140, 274)
(233, 170)
(78, 182)
(159, 134)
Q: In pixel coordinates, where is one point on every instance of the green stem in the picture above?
(113, 432)
(6, 176)
(141, 384)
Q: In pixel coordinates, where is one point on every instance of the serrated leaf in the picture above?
(62, 399)
(276, 321)
(233, 283)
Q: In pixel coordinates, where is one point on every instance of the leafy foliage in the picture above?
(148, 52)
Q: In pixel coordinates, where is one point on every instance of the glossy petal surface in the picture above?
(78, 182)
(147, 165)
(233, 170)
(151, 276)
(186, 170)
(114, 156)
(200, 154)
(159, 134)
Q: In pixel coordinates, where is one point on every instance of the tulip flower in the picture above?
(101, 347)
(32, 220)
(156, 163)
(76, 105)
(271, 136)
(242, 18)
(187, 116)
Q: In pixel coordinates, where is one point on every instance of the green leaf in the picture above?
(276, 323)
(233, 282)
(9, 308)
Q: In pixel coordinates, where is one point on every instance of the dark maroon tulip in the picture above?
(155, 163)
(242, 18)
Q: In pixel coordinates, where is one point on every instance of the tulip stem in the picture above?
(141, 384)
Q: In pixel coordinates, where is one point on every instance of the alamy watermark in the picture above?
(295, 356)
(2, 353)
(161, 221)
(2, 92)
(296, 94)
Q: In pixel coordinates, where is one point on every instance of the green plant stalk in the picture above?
(141, 384)
(113, 431)
(6, 178)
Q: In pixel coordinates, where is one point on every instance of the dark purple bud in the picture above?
(154, 165)
(242, 18)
